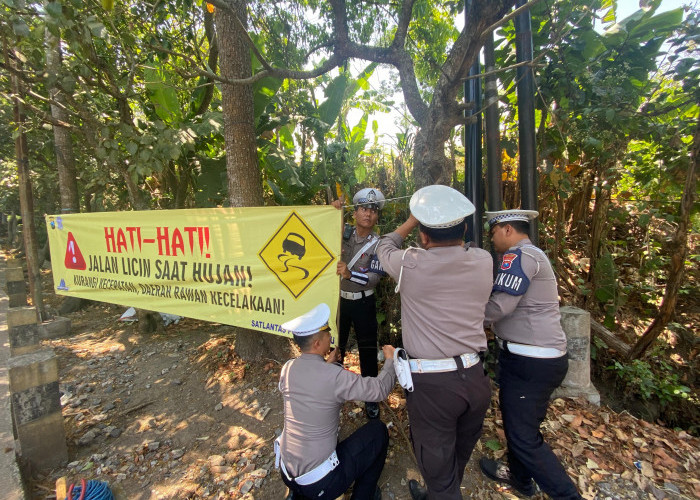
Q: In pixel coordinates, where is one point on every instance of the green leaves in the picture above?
(162, 94)
(263, 92)
(659, 24)
(493, 444)
(97, 29)
(329, 110)
(20, 28)
(54, 9)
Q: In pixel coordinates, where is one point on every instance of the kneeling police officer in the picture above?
(313, 464)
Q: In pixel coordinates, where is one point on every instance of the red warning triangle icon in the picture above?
(74, 257)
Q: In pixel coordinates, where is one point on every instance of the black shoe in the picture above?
(372, 410)
(498, 471)
(378, 494)
(291, 495)
(417, 491)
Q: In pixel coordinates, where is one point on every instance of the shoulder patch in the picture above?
(510, 278)
(508, 259)
(375, 266)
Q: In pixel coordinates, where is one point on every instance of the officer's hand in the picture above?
(338, 203)
(388, 351)
(407, 227)
(334, 356)
(342, 270)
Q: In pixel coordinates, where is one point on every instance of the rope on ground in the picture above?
(90, 490)
(394, 418)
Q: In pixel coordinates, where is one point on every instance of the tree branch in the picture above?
(402, 27)
(223, 5)
(43, 115)
(507, 18)
(500, 70)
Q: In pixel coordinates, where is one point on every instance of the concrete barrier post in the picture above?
(16, 286)
(56, 327)
(23, 330)
(36, 408)
(576, 324)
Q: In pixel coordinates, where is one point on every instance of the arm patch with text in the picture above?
(375, 266)
(510, 278)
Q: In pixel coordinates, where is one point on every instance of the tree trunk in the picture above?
(430, 165)
(599, 222)
(597, 229)
(244, 179)
(26, 200)
(63, 145)
(578, 206)
(11, 229)
(558, 237)
(135, 192)
(678, 250)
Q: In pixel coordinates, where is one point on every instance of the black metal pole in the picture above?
(494, 193)
(473, 185)
(526, 113)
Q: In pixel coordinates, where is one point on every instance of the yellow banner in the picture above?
(249, 267)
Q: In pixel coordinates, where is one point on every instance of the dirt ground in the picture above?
(177, 415)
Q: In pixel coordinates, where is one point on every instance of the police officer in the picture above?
(313, 464)
(360, 272)
(524, 314)
(444, 288)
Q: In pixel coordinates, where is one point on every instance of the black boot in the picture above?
(372, 410)
(291, 495)
(417, 491)
(499, 472)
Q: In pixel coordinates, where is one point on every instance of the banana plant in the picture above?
(333, 149)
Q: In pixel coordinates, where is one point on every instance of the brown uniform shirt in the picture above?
(313, 393)
(531, 318)
(364, 270)
(444, 291)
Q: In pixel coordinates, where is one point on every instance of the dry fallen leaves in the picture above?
(595, 444)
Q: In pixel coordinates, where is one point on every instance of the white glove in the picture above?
(403, 369)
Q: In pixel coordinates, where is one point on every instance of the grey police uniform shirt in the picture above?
(533, 317)
(314, 392)
(366, 271)
(444, 291)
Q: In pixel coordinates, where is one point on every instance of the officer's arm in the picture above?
(373, 276)
(407, 227)
(502, 303)
(389, 248)
(352, 387)
(499, 306)
(389, 253)
(376, 271)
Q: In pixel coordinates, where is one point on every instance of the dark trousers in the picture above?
(361, 459)
(446, 412)
(526, 384)
(362, 314)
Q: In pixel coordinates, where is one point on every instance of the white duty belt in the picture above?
(530, 351)
(356, 295)
(314, 475)
(442, 365)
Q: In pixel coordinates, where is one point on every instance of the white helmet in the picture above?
(493, 218)
(439, 206)
(369, 197)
